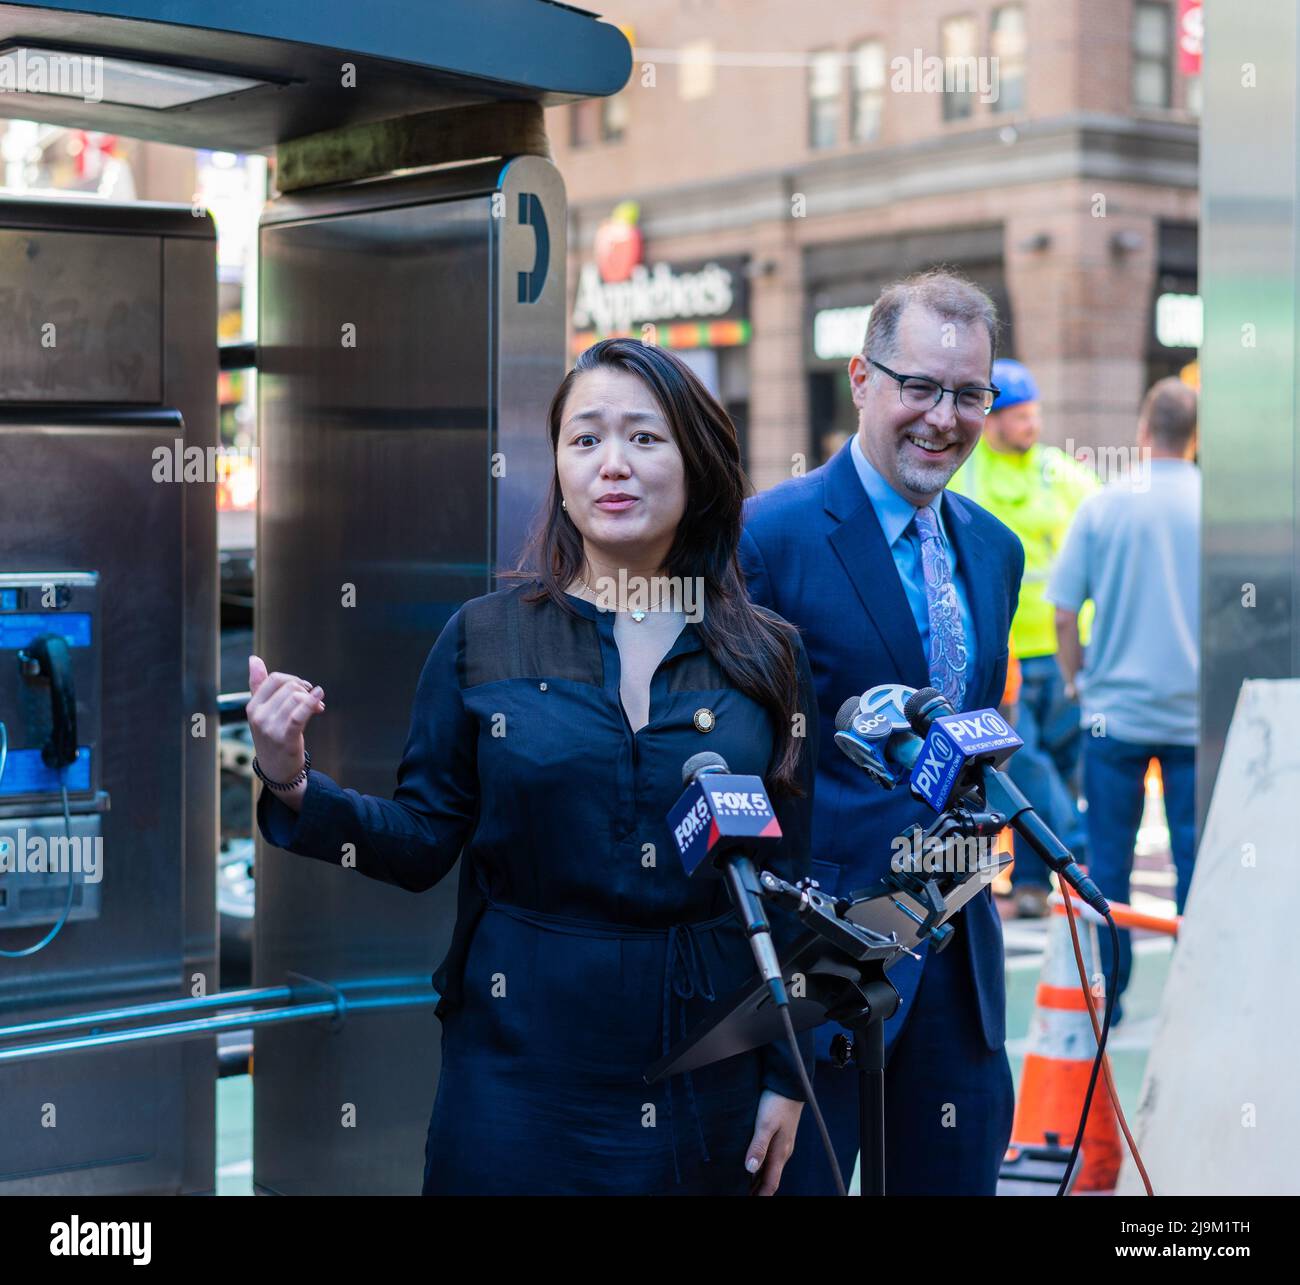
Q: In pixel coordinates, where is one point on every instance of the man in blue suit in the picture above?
(894, 580)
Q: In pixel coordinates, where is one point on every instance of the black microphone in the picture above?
(1001, 794)
(717, 824)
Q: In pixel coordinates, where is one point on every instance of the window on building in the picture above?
(696, 73)
(584, 122)
(868, 90)
(824, 98)
(613, 118)
(957, 44)
(1008, 43)
(1151, 54)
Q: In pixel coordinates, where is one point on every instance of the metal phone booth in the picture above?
(412, 332)
(107, 372)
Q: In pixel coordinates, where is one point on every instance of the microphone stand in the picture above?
(836, 972)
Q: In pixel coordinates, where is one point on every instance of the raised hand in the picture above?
(278, 712)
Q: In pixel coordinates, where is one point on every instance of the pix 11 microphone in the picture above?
(965, 751)
(957, 747)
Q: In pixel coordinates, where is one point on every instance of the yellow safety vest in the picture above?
(1036, 493)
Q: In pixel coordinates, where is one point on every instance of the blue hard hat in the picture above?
(1016, 383)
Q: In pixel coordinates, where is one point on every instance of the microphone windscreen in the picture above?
(697, 762)
(924, 704)
(848, 712)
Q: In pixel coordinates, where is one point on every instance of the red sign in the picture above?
(618, 243)
(1191, 36)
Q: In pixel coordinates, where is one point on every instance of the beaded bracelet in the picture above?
(286, 785)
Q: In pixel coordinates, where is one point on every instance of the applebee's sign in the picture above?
(618, 291)
(652, 294)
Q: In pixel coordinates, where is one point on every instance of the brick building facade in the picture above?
(813, 151)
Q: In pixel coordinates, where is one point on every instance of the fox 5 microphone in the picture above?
(962, 751)
(718, 824)
(873, 731)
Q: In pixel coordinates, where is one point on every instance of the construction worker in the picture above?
(1034, 489)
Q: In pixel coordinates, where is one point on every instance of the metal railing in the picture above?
(303, 999)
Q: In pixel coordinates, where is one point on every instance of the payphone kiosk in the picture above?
(51, 842)
(412, 330)
(108, 685)
(407, 467)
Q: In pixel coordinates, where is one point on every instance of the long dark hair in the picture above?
(754, 647)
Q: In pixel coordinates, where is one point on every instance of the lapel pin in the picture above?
(704, 720)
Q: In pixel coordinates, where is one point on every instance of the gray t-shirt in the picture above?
(1136, 554)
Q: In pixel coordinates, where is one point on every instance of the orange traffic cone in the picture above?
(1058, 1060)
(1005, 842)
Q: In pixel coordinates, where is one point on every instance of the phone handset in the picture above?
(46, 657)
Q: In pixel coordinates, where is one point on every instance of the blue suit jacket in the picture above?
(813, 550)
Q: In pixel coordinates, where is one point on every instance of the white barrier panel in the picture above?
(1219, 1112)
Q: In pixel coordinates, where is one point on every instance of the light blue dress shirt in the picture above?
(895, 515)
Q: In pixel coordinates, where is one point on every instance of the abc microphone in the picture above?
(873, 731)
(718, 823)
(962, 751)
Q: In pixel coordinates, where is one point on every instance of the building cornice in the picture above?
(1082, 146)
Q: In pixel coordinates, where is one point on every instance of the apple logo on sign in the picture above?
(618, 243)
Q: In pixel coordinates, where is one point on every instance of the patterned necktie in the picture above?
(947, 635)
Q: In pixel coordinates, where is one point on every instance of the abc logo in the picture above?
(876, 726)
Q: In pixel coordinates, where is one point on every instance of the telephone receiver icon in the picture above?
(532, 215)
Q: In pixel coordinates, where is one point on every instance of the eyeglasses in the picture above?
(916, 392)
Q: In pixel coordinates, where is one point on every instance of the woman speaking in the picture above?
(550, 725)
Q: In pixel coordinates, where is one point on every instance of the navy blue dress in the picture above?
(581, 951)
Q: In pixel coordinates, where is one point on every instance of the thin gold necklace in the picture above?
(638, 616)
